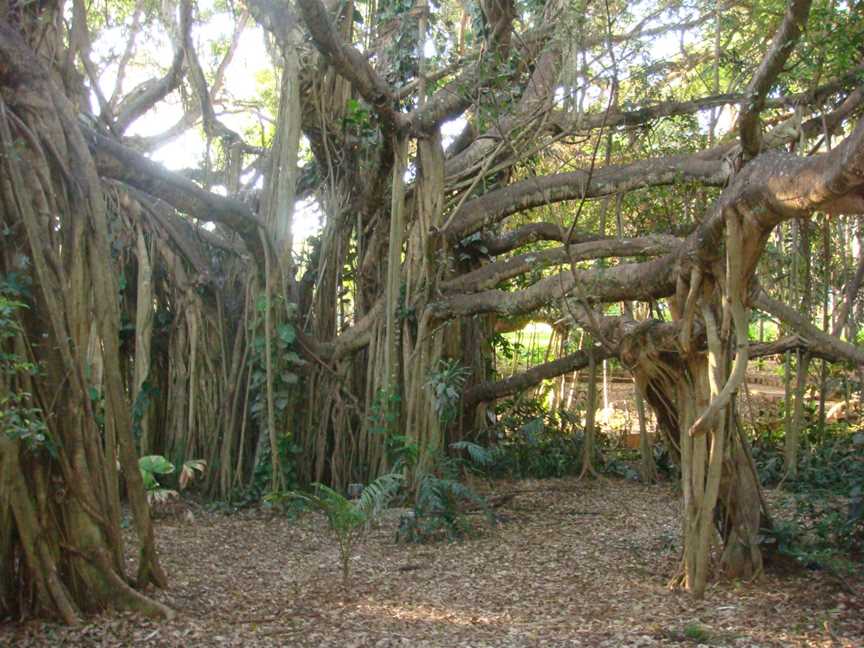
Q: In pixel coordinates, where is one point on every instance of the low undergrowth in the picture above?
(528, 441)
(820, 521)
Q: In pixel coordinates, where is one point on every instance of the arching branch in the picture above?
(147, 94)
(489, 276)
(350, 63)
(496, 205)
(772, 64)
(823, 343)
(489, 391)
(115, 161)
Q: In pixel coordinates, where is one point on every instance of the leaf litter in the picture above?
(573, 563)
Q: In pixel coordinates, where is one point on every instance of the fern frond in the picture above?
(428, 499)
(377, 495)
(460, 491)
(478, 454)
(448, 467)
(328, 499)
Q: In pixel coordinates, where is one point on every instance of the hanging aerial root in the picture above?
(735, 293)
(690, 309)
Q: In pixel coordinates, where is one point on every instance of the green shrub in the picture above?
(438, 496)
(530, 441)
(696, 632)
(439, 510)
(825, 525)
(152, 465)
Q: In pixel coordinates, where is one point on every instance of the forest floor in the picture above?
(572, 564)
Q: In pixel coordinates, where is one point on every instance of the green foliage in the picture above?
(821, 534)
(285, 359)
(617, 467)
(20, 419)
(152, 465)
(479, 455)
(262, 474)
(358, 119)
(830, 460)
(535, 443)
(665, 464)
(439, 504)
(511, 347)
(696, 632)
(399, 448)
(348, 520)
(530, 441)
(440, 497)
(285, 365)
(823, 527)
(446, 384)
(769, 327)
(384, 411)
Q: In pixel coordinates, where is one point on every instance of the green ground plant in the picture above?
(822, 524)
(152, 465)
(348, 520)
(442, 499)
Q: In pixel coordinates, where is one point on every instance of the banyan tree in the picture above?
(616, 169)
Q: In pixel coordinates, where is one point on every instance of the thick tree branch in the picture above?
(212, 126)
(492, 274)
(195, 112)
(817, 340)
(707, 167)
(649, 280)
(274, 16)
(147, 94)
(796, 343)
(349, 341)
(120, 163)
(772, 64)
(773, 187)
(841, 316)
(493, 245)
(496, 205)
(489, 391)
(127, 54)
(566, 122)
(493, 390)
(538, 95)
(350, 63)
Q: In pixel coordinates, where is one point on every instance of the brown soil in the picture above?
(572, 564)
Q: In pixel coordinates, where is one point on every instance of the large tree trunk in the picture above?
(720, 489)
(64, 554)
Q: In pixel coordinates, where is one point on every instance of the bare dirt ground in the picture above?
(573, 564)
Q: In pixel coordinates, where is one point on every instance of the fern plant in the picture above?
(479, 456)
(440, 498)
(348, 519)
